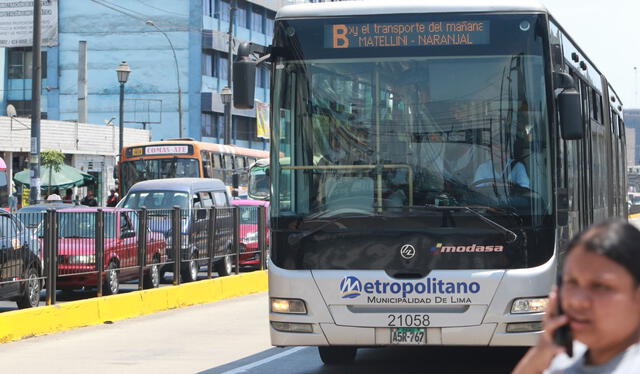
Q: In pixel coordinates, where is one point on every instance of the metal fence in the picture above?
(69, 249)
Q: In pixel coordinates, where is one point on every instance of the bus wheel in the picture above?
(337, 355)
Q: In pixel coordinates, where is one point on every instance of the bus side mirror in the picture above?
(570, 107)
(244, 80)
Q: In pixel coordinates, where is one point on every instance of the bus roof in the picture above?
(353, 8)
(214, 147)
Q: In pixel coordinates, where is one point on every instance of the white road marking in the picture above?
(243, 369)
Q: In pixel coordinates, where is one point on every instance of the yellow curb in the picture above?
(25, 323)
(635, 215)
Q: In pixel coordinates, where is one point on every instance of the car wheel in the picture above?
(337, 355)
(152, 276)
(225, 267)
(189, 272)
(111, 280)
(31, 296)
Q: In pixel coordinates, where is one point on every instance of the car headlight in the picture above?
(251, 237)
(82, 259)
(530, 305)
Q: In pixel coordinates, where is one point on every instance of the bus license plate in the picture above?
(408, 336)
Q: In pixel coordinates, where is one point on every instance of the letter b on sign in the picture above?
(340, 39)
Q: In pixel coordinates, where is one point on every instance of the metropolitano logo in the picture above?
(350, 287)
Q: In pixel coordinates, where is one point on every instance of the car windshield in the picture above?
(249, 215)
(156, 200)
(159, 168)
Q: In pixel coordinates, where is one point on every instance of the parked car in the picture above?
(194, 196)
(21, 263)
(32, 216)
(249, 231)
(77, 251)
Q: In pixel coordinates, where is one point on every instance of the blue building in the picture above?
(118, 31)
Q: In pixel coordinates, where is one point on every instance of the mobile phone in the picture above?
(562, 336)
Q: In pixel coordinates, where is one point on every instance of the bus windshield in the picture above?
(382, 129)
(259, 183)
(139, 170)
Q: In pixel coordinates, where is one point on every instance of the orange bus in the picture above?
(185, 158)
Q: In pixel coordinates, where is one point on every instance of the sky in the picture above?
(608, 31)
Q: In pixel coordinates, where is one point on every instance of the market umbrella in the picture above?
(66, 177)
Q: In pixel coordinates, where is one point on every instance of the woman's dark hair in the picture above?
(617, 240)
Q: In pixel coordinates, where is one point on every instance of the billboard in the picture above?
(16, 23)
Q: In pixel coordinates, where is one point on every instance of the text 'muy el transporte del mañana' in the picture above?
(416, 34)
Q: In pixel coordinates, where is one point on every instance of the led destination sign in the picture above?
(414, 34)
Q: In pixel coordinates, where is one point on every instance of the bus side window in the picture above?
(206, 164)
(217, 165)
(228, 166)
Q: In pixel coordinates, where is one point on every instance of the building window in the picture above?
(21, 63)
(256, 20)
(267, 78)
(223, 66)
(270, 23)
(209, 63)
(207, 7)
(222, 11)
(212, 125)
(23, 108)
(241, 14)
(245, 128)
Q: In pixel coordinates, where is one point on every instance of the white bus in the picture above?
(439, 155)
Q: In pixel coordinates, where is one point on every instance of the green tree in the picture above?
(53, 160)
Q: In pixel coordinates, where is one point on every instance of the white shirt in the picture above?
(516, 174)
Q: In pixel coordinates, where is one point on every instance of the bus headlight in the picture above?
(288, 306)
(530, 305)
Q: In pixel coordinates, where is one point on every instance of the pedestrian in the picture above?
(68, 196)
(113, 198)
(599, 297)
(55, 195)
(13, 201)
(89, 200)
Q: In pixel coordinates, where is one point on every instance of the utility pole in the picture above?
(228, 117)
(82, 81)
(36, 84)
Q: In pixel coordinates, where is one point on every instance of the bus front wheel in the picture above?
(337, 355)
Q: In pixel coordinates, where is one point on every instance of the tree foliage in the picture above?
(52, 159)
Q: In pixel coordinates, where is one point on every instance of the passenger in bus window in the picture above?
(599, 301)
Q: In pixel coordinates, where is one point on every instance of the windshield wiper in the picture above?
(510, 235)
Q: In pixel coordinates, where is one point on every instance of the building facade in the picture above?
(194, 31)
(90, 148)
(632, 121)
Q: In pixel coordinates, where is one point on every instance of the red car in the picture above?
(77, 253)
(249, 231)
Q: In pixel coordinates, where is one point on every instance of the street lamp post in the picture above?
(226, 96)
(175, 60)
(123, 71)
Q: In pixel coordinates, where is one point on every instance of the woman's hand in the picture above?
(539, 357)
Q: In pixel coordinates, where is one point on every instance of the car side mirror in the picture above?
(128, 234)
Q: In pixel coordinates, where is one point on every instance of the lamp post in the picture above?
(175, 61)
(225, 96)
(123, 71)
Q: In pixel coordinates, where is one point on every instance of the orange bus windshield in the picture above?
(143, 169)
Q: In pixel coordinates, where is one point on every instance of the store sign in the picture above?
(411, 34)
(16, 23)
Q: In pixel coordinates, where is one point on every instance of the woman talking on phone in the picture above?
(597, 304)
